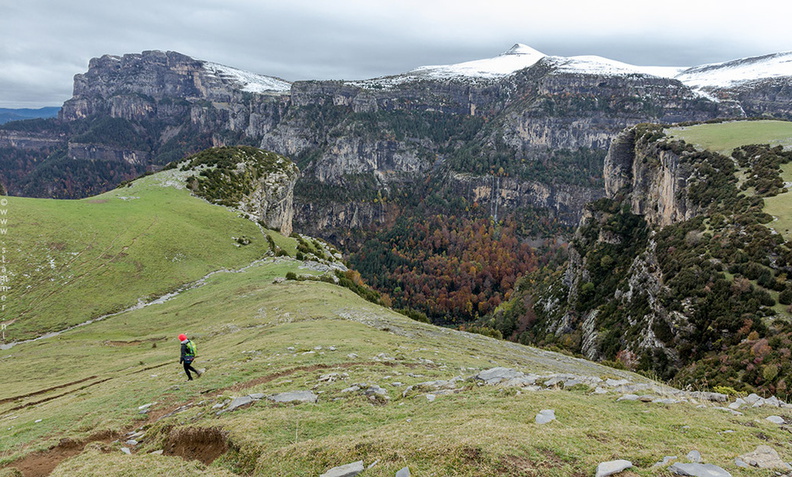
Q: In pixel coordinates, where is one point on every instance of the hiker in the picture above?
(187, 356)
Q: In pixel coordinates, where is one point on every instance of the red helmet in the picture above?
(182, 337)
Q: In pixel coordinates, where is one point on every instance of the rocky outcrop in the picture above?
(271, 201)
(500, 195)
(654, 178)
(260, 184)
(396, 130)
(30, 140)
(93, 152)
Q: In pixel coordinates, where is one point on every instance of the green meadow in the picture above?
(724, 137)
(256, 334)
(71, 261)
(71, 401)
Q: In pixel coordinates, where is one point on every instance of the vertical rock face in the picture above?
(654, 179)
(258, 183)
(390, 133)
(271, 201)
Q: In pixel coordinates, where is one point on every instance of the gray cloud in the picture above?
(45, 42)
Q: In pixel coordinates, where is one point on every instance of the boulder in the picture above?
(775, 419)
(699, 470)
(612, 467)
(498, 374)
(237, 403)
(295, 396)
(765, 457)
(545, 416)
(348, 470)
(403, 472)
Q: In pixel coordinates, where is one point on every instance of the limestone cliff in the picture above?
(260, 184)
(395, 131)
(673, 269)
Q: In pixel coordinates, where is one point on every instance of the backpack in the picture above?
(190, 349)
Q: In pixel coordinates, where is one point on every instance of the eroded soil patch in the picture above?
(42, 463)
(204, 444)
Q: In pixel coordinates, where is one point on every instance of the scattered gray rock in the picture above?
(775, 419)
(616, 382)
(375, 391)
(146, 406)
(126, 450)
(741, 463)
(157, 452)
(628, 397)
(694, 456)
(765, 457)
(431, 397)
(708, 396)
(753, 398)
(131, 442)
(348, 470)
(545, 416)
(665, 401)
(257, 396)
(403, 472)
(496, 375)
(553, 381)
(698, 470)
(237, 403)
(666, 460)
(295, 396)
(351, 389)
(613, 467)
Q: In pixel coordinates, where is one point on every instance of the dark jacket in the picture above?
(185, 352)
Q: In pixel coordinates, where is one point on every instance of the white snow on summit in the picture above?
(597, 65)
(250, 82)
(736, 72)
(518, 57)
(699, 78)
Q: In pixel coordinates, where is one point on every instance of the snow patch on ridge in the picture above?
(700, 79)
(516, 58)
(250, 82)
(736, 72)
(597, 65)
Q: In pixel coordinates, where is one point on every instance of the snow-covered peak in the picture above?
(736, 72)
(597, 65)
(519, 56)
(520, 49)
(516, 58)
(250, 82)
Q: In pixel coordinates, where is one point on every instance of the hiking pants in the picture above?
(187, 368)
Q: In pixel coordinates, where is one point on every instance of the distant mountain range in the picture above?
(11, 114)
(703, 78)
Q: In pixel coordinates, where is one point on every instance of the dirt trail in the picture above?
(42, 463)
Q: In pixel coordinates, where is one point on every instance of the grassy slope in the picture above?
(244, 326)
(257, 335)
(75, 260)
(724, 137)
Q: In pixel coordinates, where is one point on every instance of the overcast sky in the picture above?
(44, 43)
